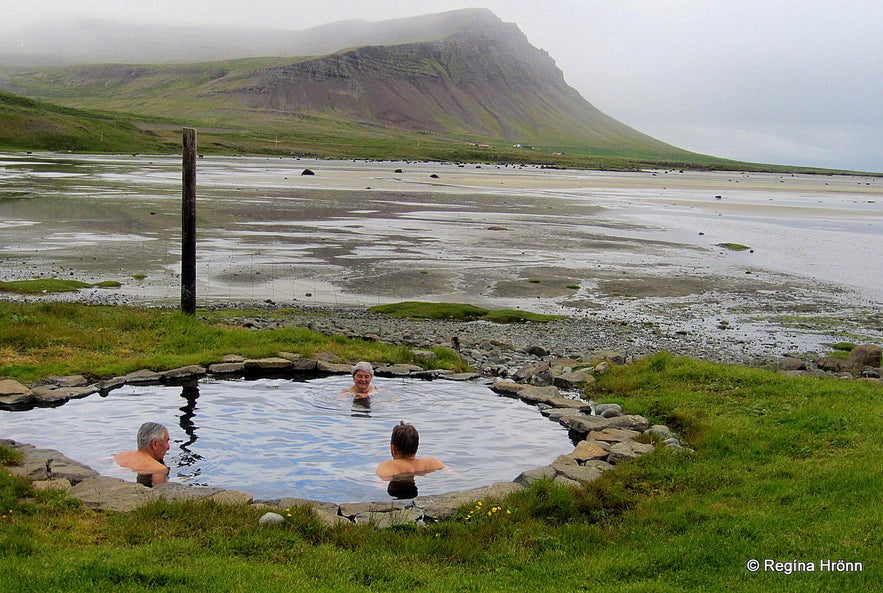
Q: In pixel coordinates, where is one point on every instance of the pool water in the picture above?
(278, 438)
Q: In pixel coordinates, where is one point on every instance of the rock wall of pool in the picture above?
(284, 434)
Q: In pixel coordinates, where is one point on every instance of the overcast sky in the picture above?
(777, 81)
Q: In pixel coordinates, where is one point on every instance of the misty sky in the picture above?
(776, 81)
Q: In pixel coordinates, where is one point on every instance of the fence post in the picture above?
(188, 223)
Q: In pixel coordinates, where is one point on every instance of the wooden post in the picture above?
(188, 224)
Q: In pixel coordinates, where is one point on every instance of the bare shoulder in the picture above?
(431, 464)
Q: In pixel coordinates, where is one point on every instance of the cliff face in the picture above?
(484, 80)
(462, 73)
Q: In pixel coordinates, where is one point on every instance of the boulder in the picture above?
(389, 518)
(508, 388)
(269, 519)
(865, 355)
(832, 365)
(538, 395)
(569, 379)
(613, 435)
(558, 414)
(185, 372)
(789, 363)
(444, 506)
(140, 376)
(526, 478)
(49, 394)
(223, 368)
(590, 449)
(69, 381)
(525, 373)
(330, 367)
(627, 450)
(585, 423)
(268, 363)
(398, 370)
(660, 431)
(12, 392)
(608, 410)
(579, 473)
(112, 494)
(605, 355)
(424, 355)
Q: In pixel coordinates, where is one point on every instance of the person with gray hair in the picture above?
(147, 461)
(363, 373)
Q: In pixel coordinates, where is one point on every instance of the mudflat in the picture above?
(758, 256)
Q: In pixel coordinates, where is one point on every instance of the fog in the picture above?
(768, 81)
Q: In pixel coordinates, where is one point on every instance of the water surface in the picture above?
(275, 438)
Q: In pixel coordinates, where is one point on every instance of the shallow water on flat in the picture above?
(275, 438)
(362, 233)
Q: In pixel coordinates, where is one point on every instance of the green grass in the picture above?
(515, 316)
(784, 469)
(46, 285)
(734, 246)
(33, 125)
(457, 312)
(42, 339)
(150, 122)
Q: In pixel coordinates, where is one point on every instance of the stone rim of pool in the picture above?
(603, 439)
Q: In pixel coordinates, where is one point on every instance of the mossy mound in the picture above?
(456, 312)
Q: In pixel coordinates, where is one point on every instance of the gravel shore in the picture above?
(753, 332)
(566, 336)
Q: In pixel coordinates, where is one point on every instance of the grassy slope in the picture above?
(142, 109)
(34, 125)
(785, 469)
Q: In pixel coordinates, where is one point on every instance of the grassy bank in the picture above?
(41, 340)
(785, 470)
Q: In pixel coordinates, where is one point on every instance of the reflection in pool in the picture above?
(278, 437)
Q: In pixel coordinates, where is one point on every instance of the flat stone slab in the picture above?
(586, 423)
(624, 451)
(185, 372)
(12, 392)
(222, 368)
(271, 362)
(444, 506)
(590, 449)
(112, 494)
(48, 464)
(387, 519)
(614, 435)
(50, 394)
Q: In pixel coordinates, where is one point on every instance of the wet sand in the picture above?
(638, 248)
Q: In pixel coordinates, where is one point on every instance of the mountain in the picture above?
(458, 76)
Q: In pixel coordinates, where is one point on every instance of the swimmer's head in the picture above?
(405, 439)
(364, 367)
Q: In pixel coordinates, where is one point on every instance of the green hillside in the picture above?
(456, 86)
(26, 124)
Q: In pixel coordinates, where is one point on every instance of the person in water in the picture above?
(147, 461)
(363, 373)
(403, 446)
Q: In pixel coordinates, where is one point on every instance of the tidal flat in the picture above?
(643, 249)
